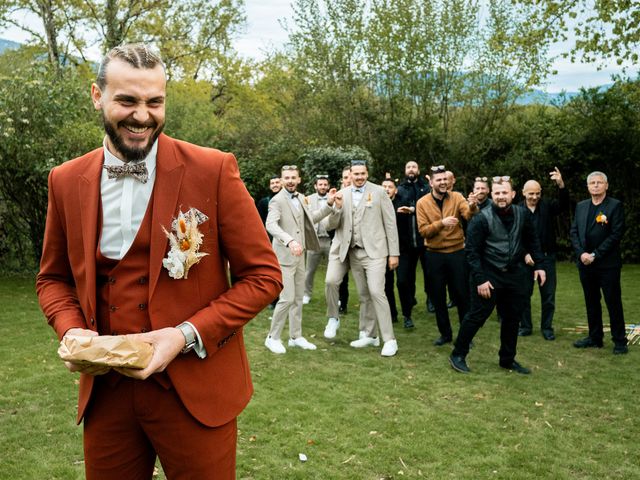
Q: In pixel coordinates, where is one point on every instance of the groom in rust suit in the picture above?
(102, 273)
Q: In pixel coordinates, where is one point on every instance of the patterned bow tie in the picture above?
(358, 190)
(135, 170)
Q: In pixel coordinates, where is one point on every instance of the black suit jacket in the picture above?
(608, 235)
(548, 210)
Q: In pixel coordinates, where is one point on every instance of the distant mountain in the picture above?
(7, 45)
(545, 98)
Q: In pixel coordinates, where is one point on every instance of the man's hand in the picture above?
(450, 222)
(87, 369)
(484, 289)
(556, 176)
(405, 209)
(586, 258)
(393, 262)
(338, 200)
(167, 343)
(528, 259)
(540, 276)
(472, 199)
(331, 195)
(295, 247)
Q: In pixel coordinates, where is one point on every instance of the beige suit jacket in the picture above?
(282, 224)
(379, 230)
(314, 205)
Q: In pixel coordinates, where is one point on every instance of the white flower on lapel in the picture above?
(185, 240)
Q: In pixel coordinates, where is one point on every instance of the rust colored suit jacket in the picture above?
(214, 389)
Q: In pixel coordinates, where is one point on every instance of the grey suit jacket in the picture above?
(379, 230)
(314, 205)
(282, 224)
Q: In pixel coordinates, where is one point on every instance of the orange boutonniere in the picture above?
(601, 218)
(369, 199)
(306, 201)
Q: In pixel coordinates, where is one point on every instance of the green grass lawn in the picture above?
(356, 415)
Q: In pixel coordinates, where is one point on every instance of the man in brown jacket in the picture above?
(439, 221)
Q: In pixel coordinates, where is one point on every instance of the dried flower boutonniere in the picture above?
(185, 240)
(601, 218)
(369, 199)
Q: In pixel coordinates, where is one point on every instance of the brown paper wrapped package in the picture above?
(106, 350)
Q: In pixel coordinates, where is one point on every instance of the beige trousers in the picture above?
(290, 302)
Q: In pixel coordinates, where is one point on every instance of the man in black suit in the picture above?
(543, 212)
(412, 189)
(263, 204)
(596, 232)
(496, 243)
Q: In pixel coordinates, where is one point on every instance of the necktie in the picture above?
(135, 170)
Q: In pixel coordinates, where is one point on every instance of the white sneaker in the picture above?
(332, 327)
(362, 334)
(274, 345)
(366, 342)
(302, 343)
(306, 299)
(390, 348)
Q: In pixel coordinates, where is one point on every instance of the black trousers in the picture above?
(406, 273)
(344, 292)
(594, 280)
(389, 288)
(509, 297)
(547, 297)
(447, 269)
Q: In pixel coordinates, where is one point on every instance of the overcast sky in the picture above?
(263, 32)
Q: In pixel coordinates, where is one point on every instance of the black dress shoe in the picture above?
(587, 342)
(620, 349)
(458, 364)
(516, 367)
(522, 332)
(342, 310)
(441, 341)
(451, 304)
(408, 323)
(548, 335)
(430, 307)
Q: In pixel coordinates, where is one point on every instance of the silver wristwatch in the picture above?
(190, 339)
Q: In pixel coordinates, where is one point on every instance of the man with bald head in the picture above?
(543, 213)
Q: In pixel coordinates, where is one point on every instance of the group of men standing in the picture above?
(482, 250)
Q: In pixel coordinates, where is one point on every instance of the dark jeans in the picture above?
(407, 264)
(607, 280)
(389, 288)
(547, 297)
(447, 269)
(509, 297)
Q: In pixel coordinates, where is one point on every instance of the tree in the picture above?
(45, 118)
(603, 29)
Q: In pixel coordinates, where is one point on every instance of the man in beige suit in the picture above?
(292, 226)
(365, 233)
(315, 202)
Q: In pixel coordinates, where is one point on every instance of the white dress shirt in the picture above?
(124, 204)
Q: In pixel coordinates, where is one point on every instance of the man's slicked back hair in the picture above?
(138, 55)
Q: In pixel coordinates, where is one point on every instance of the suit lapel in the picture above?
(88, 201)
(166, 190)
